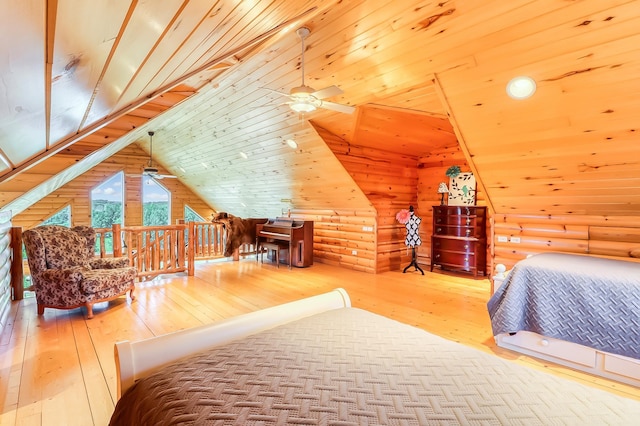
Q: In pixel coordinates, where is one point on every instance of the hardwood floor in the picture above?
(59, 369)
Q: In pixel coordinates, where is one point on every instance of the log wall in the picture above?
(390, 182)
(339, 239)
(432, 170)
(610, 236)
(77, 193)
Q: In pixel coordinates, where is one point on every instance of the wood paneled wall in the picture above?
(390, 182)
(611, 236)
(339, 239)
(337, 233)
(77, 193)
(432, 170)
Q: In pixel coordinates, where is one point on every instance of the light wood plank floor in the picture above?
(59, 369)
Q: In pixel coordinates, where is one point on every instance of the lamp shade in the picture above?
(442, 188)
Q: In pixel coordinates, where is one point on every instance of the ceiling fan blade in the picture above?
(167, 176)
(347, 109)
(275, 91)
(328, 92)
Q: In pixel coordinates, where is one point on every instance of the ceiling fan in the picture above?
(150, 170)
(306, 99)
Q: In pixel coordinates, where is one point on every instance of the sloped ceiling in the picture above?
(571, 148)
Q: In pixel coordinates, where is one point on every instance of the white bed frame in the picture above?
(135, 360)
(583, 358)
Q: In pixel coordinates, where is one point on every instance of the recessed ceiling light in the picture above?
(292, 143)
(244, 155)
(521, 87)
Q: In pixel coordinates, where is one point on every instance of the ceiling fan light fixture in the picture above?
(302, 99)
(302, 105)
(302, 92)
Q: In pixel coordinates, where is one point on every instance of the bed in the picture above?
(576, 310)
(321, 361)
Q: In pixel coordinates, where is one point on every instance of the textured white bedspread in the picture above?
(352, 367)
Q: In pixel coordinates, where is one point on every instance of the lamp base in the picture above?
(442, 199)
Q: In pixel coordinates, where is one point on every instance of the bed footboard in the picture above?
(135, 360)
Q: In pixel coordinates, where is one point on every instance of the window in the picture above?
(156, 203)
(191, 216)
(107, 201)
(62, 218)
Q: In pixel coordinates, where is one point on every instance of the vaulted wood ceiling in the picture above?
(78, 76)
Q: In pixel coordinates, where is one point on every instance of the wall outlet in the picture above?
(502, 239)
(354, 252)
(515, 240)
(367, 228)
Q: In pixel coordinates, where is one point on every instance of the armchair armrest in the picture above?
(109, 263)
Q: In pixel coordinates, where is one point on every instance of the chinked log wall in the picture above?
(337, 234)
(390, 182)
(393, 181)
(612, 236)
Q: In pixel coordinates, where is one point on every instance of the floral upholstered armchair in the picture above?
(66, 274)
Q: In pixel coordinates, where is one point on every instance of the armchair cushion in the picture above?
(97, 280)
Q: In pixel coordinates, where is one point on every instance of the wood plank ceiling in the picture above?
(69, 68)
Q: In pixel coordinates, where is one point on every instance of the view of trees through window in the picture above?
(62, 218)
(156, 203)
(191, 216)
(107, 207)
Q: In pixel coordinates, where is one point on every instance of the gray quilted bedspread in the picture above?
(591, 301)
(352, 367)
